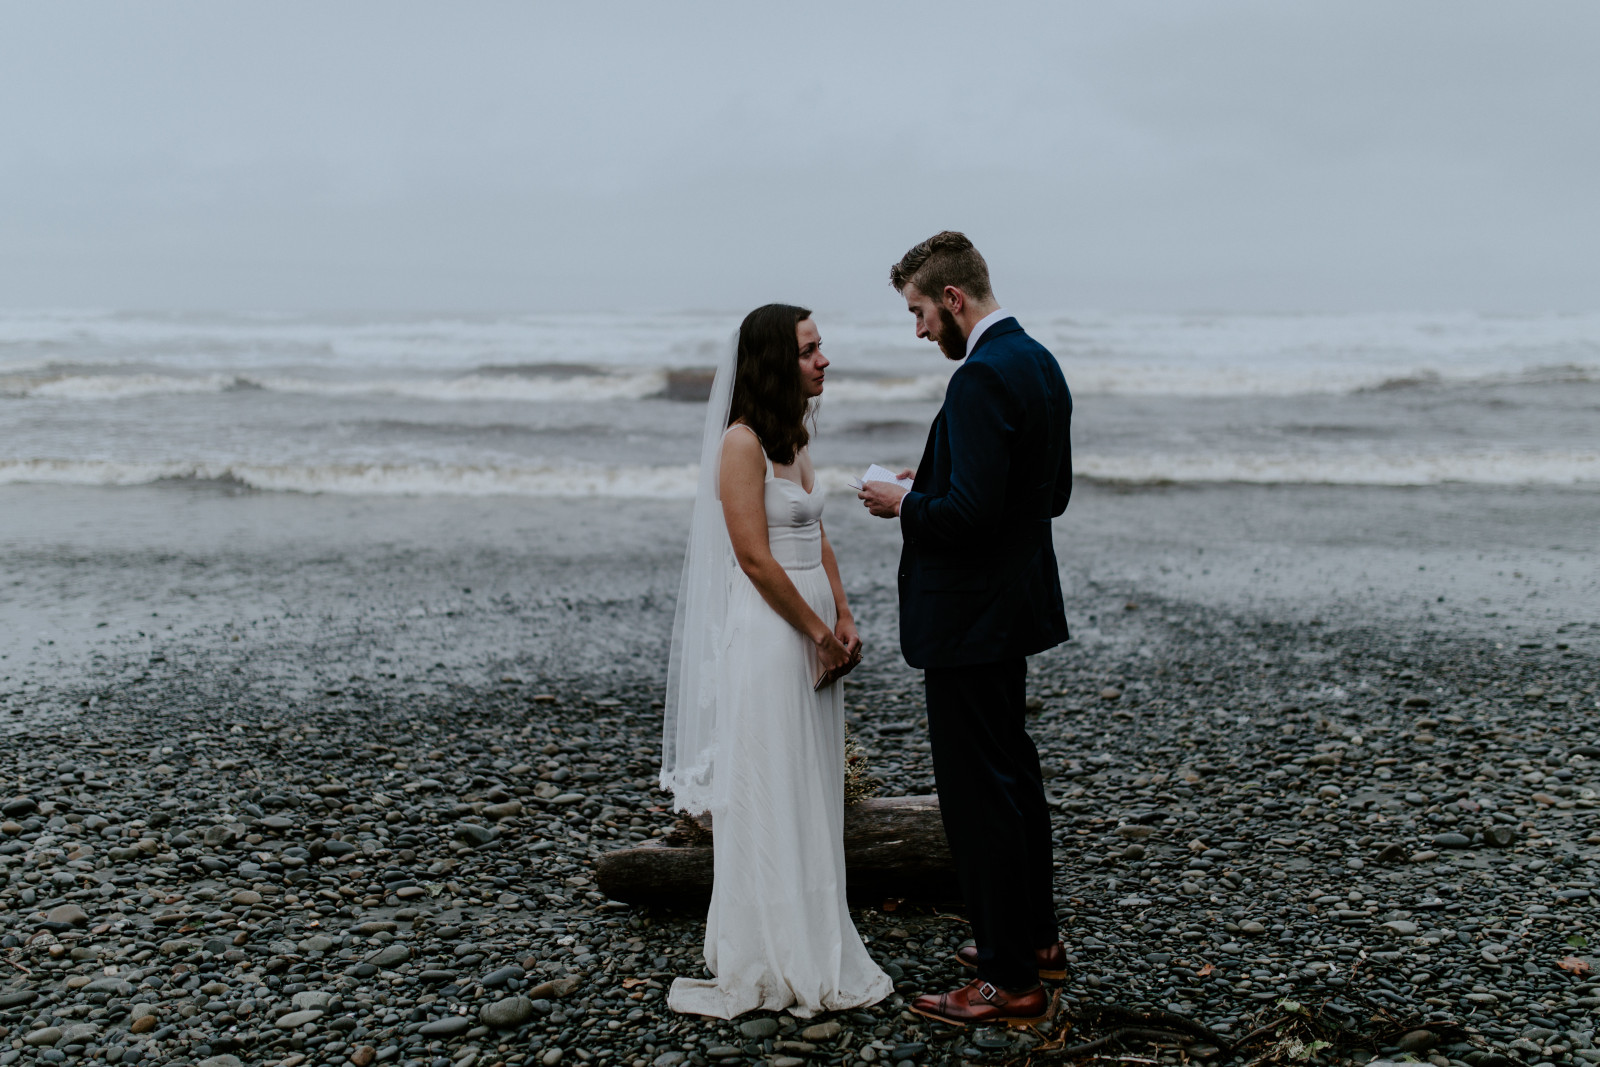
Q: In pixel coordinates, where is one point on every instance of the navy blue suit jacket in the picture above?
(978, 578)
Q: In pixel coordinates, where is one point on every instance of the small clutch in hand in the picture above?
(826, 678)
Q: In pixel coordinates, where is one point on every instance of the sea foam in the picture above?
(1486, 468)
(612, 404)
(677, 481)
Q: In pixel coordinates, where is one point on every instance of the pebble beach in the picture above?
(306, 825)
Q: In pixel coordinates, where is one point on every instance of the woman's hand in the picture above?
(846, 632)
(844, 640)
(831, 653)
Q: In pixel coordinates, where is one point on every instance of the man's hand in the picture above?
(882, 498)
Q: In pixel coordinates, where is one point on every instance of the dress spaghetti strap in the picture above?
(764, 456)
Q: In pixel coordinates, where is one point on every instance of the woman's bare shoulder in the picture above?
(742, 449)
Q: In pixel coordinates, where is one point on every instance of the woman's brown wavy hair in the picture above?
(766, 383)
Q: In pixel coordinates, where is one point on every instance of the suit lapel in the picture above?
(1006, 325)
(925, 468)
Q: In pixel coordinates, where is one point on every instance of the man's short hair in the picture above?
(946, 258)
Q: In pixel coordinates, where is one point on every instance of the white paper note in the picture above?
(876, 473)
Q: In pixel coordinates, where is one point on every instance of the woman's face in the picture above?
(812, 362)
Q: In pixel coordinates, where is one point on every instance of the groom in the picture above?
(979, 592)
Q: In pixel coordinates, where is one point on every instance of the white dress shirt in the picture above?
(983, 324)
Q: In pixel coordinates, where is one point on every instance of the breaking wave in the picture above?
(621, 385)
(692, 384)
(641, 481)
(1489, 468)
(371, 479)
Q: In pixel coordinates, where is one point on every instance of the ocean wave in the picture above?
(573, 383)
(860, 390)
(555, 388)
(1088, 378)
(1102, 354)
(642, 481)
(559, 384)
(372, 479)
(576, 388)
(1489, 468)
(450, 343)
(112, 386)
(1559, 374)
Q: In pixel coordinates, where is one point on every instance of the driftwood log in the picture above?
(894, 847)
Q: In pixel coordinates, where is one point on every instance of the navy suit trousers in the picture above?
(991, 795)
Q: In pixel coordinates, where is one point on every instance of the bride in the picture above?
(750, 735)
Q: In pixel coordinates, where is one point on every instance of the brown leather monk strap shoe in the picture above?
(1051, 960)
(980, 1004)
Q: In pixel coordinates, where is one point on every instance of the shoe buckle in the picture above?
(988, 992)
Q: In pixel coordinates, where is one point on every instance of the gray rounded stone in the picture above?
(507, 1012)
(500, 977)
(390, 955)
(312, 998)
(449, 1026)
(756, 1029)
(1417, 1040)
(70, 914)
(1499, 837)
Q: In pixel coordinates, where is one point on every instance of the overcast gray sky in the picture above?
(534, 157)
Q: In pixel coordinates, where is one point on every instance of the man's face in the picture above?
(936, 323)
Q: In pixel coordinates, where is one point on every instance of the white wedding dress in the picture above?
(779, 934)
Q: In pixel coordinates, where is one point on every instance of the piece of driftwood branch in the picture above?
(894, 847)
(1126, 1025)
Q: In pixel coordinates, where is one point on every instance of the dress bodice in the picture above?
(794, 520)
(788, 504)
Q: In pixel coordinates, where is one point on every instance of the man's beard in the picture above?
(951, 343)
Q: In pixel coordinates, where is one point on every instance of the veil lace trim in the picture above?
(689, 726)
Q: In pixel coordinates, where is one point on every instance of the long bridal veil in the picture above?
(688, 768)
